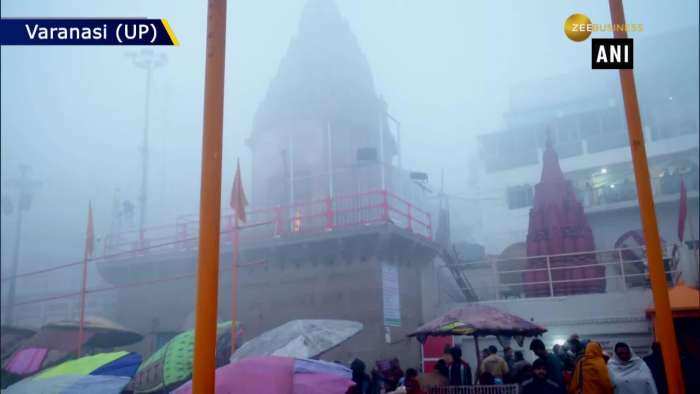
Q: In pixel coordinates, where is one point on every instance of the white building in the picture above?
(583, 114)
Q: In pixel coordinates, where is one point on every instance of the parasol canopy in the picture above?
(71, 384)
(477, 320)
(11, 337)
(105, 333)
(58, 341)
(279, 375)
(684, 300)
(100, 373)
(299, 338)
(171, 365)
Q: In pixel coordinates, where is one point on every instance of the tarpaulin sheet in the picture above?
(70, 384)
(123, 366)
(26, 361)
(299, 338)
(307, 366)
(321, 383)
(81, 366)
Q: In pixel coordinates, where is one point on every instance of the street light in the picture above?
(149, 60)
(25, 186)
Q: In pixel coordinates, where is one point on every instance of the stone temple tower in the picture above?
(335, 230)
(320, 110)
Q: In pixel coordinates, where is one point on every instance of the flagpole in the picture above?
(238, 203)
(203, 373)
(234, 282)
(665, 332)
(88, 240)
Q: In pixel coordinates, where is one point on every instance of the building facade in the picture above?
(583, 114)
(335, 229)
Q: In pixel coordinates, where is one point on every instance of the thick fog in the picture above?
(445, 68)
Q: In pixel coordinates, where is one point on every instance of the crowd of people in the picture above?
(577, 367)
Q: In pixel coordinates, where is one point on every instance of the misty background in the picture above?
(76, 114)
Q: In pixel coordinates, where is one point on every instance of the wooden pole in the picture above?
(83, 286)
(665, 332)
(203, 374)
(81, 327)
(478, 359)
(235, 250)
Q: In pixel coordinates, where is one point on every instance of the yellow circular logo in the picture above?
(578, 27)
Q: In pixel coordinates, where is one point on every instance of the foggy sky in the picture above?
(75, 114)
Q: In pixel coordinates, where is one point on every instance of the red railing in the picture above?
(309, 217)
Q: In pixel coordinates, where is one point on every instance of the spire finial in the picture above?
(548, 138)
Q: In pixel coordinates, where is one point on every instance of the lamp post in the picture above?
(25, 187)
(148, 60)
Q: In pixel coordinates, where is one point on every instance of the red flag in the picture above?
(90, 238)
(682, 211)
(238, 200)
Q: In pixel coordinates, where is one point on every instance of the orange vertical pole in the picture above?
(203, 378)
(663, 323)
(235, 247)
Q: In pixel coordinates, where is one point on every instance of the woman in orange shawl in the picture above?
(591, 373)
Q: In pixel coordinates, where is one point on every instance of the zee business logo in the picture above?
(606, 53)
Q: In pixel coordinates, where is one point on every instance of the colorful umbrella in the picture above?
(172, 364)
(478, 320)
(279, 375)
(58, 341)
(11, 337)
(101, 373)
(299, 338)
(105, 333)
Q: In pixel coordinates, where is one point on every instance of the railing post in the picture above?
(430, 227)
(622, 269)
(141, 241)
(329, 213)
(104, 247)
(549, 275)
(278, 221)
(496, 278)
(385, 206)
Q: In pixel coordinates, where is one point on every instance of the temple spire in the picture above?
(551, 171)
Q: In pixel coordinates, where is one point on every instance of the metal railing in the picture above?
(596, 271)
(479, 389)
(302, 218)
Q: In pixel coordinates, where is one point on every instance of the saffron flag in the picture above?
(238, 200)
(682, 211)
(90, 238)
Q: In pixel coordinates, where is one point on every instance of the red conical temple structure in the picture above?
(559, 226)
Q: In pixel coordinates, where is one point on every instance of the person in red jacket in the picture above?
(411, 382)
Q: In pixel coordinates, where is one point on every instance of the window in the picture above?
(509, 149)
(520, 196)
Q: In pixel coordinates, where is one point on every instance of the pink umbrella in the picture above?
(273, 375)
(320, 383)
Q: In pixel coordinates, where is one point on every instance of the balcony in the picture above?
(303, 219)
(617, 270)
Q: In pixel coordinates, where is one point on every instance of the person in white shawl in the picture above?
(629, 373)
